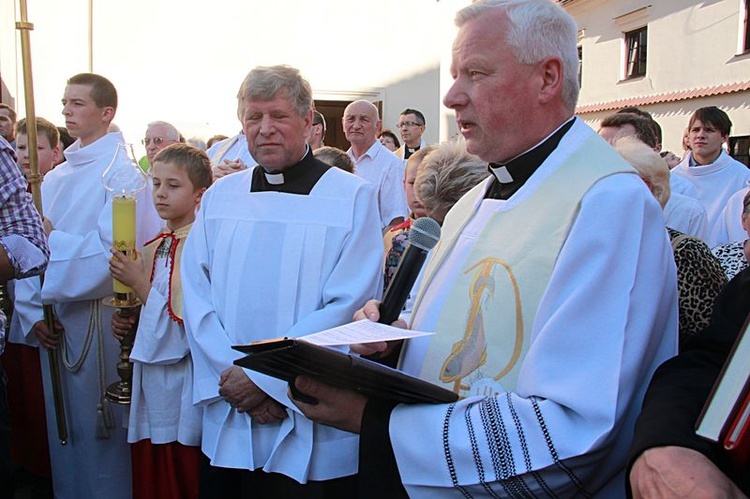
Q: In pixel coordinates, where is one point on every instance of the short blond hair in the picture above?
(446, 174)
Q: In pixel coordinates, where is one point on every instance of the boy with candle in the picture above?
(164, 427)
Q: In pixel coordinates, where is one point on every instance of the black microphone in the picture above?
(423, 236)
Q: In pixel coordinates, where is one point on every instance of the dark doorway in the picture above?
(333, 111)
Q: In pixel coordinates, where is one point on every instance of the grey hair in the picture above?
(173, 132)
(264, 82)
(446, 174)
(538, 29)
(649, 165)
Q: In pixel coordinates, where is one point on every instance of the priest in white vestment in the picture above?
(95, 462)
(552, 292)
(287, 248)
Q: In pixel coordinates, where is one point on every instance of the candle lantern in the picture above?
(124, 179)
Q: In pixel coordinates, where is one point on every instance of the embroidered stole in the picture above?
(177, 240)
(483, 332)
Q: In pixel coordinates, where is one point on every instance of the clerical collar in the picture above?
(510, 177)
(299, 178)
(408, 151)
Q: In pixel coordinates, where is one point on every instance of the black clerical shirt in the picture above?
(299, 178)
(520, 168)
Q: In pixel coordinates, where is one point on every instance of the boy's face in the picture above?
(48, 156)
(705, 140)
(83, 118)
(175, 197)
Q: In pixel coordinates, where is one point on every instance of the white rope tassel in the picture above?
(102, 433)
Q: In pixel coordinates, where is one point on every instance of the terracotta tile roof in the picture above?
(678, 95)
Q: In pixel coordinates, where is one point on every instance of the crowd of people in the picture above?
(586, 290)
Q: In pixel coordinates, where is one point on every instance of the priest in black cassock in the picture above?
(287, 248)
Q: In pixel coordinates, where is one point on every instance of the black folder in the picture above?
(288, 358)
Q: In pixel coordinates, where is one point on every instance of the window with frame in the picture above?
(739, 149)
(580, 64)
(746, 28)
(636, 42)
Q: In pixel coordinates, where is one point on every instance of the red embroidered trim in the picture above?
(403, 225)
(172, 252)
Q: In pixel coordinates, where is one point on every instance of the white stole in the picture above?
(504, 276)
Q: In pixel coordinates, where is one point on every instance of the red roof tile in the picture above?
(665, 97)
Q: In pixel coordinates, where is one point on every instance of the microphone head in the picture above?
(424, 233)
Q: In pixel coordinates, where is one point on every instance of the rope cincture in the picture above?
(105, 420)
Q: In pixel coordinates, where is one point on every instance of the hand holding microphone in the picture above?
(423, 236)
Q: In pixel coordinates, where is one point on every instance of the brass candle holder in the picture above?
(121, 392)
(124, 179)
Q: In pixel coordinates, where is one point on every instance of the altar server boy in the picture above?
(164, 426)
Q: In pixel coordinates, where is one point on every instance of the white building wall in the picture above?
(182, 61)
(691, 45)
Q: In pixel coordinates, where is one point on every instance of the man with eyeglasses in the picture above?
(159, 134)
(411, 124)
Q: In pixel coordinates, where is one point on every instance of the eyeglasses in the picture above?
(408, 124)
(156, 140)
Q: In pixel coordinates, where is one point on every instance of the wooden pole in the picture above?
(35, 181)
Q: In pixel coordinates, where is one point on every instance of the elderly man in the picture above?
(668, 459)
(552, 293)
(287, 248)
(159, 134)
(374, 163)
(8, 124)
(411, 125)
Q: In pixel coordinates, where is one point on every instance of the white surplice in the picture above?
(260, 265)
(715, 184)
(231, 149)
(686, 215)
(728, 228)
(607, 319)
(80, 209)
(162, 409)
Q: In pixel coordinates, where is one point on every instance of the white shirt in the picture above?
(385, 171)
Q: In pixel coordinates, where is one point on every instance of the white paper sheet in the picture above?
(362, 331)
